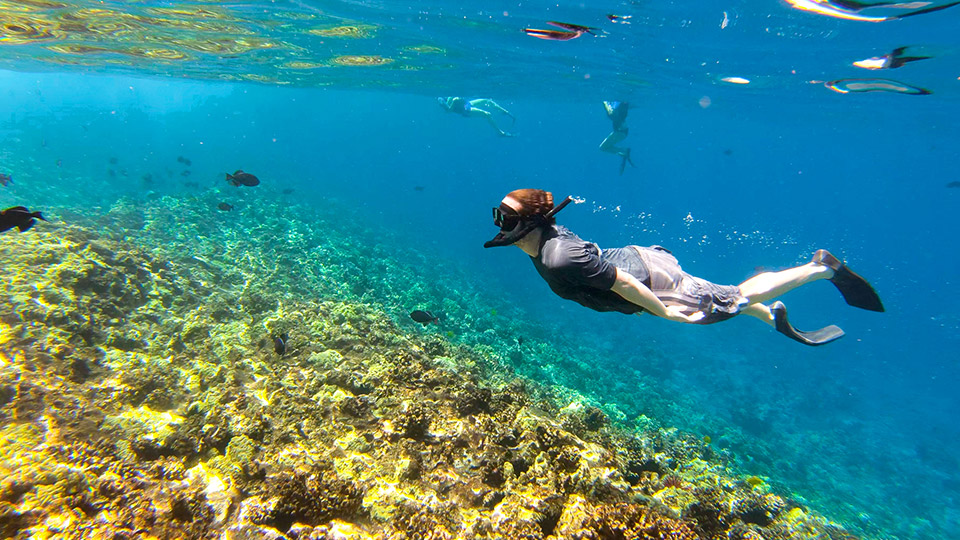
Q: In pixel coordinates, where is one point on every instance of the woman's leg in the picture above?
(480, 113)
(610, 143)
(769, 285)
(486, 103)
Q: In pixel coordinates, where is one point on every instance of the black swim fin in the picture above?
(817, 337)
(855, 290)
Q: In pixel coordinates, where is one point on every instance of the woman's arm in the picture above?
(635, 292)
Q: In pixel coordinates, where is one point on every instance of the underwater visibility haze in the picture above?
(255, 302)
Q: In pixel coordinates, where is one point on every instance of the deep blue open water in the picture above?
(733, 178)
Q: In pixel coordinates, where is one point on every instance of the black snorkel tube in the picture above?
(526, 226)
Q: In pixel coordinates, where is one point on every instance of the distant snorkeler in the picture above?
(893, 60)
(476, 108)
(851, 9)
(637, 279)
(617, 113)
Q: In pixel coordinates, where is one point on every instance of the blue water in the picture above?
(758, 179)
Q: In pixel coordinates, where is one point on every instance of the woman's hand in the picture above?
(675, 313)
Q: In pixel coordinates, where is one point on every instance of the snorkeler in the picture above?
(477, 108)
(617, 113)
(637, 279)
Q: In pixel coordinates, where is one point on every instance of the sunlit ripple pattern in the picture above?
(422, 47)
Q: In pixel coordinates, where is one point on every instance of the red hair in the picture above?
(532, 201)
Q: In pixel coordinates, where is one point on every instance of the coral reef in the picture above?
(140, 393)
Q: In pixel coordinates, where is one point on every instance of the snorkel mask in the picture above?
(513, 226)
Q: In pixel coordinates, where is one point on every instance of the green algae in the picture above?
(367, 425)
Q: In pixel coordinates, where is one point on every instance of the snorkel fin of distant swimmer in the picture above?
(526, 226)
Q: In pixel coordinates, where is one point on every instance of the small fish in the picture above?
(519, 341)
(114, 161)
(185, 173)
(19, 217)
(112, 173)
(552, 35)
(893, 60)
(5, 179)
(288, 191)
(424, 317)
(59, 162)
(954, 184)
(185, 161)
(241, 178)
(280, 343)
(846, 86)
(225, 207)
(418, 188)
(574, 27)
(193, 185)
(622, 19)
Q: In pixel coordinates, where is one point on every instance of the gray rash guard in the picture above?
(576, 270)
(580, 271)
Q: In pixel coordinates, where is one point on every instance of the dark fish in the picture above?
(114, 161)
(147, 178)
(574, 27)
(288, 191)
(225, 207)
(241, 178)
(552, 35)
(112, 173)
(5, 179)
(520, 341)
(280, 343)
(194, 185)
(185, 161)
(955, 183)
(185, 173)
(424, 317)
(622, 19)
(418, 188)
(19, 217)
(59, 162)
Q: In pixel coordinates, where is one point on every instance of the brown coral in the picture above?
(627, 521)
(312, 498)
